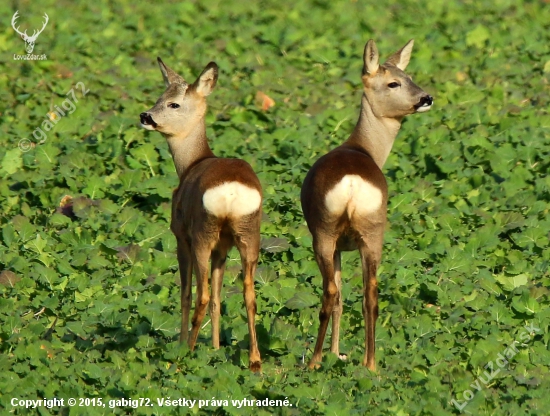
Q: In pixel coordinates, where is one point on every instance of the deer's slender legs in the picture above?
(344, 195)
(213, 195)
(248, 245)
(186, 275)
(370, 259)
(218, 267)
(202, 256)
(324, 249)
(337, 310)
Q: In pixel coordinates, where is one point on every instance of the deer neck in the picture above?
(189, 147)
(374, 134)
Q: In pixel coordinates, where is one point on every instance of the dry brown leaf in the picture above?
(264, 100)
(66, 200)
(8, 278)
(63, 72)
(437, 308)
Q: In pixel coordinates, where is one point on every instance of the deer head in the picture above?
(29, 40)
(389, 90)
(182, 106)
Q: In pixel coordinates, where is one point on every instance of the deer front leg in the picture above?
(324, 254)
(186, 276)
(218, 268)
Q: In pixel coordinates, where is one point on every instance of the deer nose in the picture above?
(426, 101)
(424, 104)
(147, 120)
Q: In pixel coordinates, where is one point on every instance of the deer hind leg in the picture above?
(202, 255)
(337, 310)
(186, 276)
(370, 257)
(218, 267)
(249, 247)
(324, 249)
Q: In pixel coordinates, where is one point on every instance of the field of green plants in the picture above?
(89, 281)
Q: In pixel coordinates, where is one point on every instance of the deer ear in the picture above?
(206, 81)
(169, 76)
(370, 58)
(402, 57)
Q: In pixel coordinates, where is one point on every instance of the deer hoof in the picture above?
(255, 366)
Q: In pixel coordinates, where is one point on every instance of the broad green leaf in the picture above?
(509, 283)
(12, 161)
(302, 300)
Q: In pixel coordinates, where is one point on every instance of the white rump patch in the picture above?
(353, 195)
(231, 199)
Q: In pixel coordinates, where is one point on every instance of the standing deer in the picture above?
(29, 40)
(344, 195)
(217, 204)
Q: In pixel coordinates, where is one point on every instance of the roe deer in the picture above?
(217, 204)
(344, 195)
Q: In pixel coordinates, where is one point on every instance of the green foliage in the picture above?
(89, 295)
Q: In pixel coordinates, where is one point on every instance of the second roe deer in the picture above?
(344, 195)
(217, 204)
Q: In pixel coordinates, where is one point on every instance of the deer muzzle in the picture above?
(424, 104)
(147, 121)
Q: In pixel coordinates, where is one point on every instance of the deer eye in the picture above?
(394, 85)
(174, 105)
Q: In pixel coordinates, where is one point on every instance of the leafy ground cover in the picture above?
(89, 303)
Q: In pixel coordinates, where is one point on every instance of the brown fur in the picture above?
(363, 154)
(202, 236)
